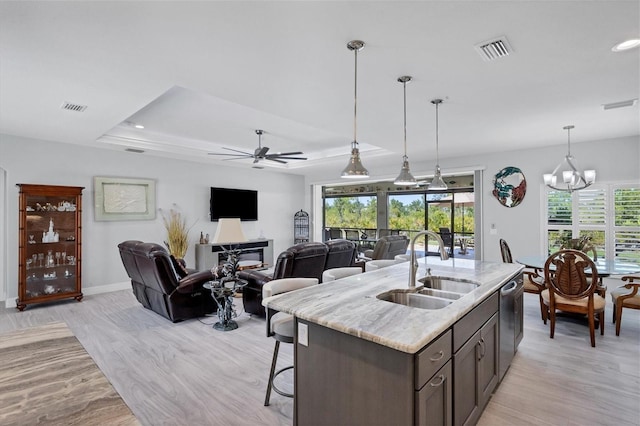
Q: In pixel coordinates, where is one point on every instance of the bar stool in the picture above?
(337, 273)
(280, 325)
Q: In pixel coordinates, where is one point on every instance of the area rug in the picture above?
(47, 378)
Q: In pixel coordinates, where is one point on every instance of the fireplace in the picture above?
(211, 255)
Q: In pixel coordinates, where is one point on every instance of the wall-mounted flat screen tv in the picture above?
(227, 202)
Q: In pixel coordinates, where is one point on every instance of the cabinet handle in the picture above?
(439, 356)
(435, 385)
(483, 347)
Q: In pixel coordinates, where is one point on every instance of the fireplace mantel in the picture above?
(208, 255)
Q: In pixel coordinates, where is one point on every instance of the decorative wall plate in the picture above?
(509, 186)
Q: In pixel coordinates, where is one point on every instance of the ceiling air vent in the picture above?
(137, 151)
(73, 107)
(491, 50)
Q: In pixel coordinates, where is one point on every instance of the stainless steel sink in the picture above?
(459, 286)
(439, 293)
(413, 297)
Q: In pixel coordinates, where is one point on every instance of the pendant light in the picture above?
(355, 169)
(437, 182)
(405, 177)
(572, 178)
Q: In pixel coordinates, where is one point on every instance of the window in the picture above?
(350, 212)
(608, 214)
(406, 211)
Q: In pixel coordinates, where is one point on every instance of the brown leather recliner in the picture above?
(341, 253)
(305, 260)
(158, 287)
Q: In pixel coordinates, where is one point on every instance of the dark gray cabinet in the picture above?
(475, 364)
(434, 383)
(434, 400)
(344, 380)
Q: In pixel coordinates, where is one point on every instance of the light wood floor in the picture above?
(190, 374)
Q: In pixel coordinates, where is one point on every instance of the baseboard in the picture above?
(87, 291)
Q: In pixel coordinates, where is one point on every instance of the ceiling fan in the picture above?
(261, 153)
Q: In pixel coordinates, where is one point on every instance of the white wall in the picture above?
(614, 161)
(187, 184)
(280, 195)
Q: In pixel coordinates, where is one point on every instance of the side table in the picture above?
(225, 291)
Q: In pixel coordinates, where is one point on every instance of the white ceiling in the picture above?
(201, 76)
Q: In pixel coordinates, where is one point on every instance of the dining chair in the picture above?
(571, 287)
(280, 325)
(352, 234)
(447, 239)
(625, 296)
(335, 233)
(533, 282)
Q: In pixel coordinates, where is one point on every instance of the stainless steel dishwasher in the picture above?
(511, 317)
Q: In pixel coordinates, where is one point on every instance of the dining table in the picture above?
(605, 267)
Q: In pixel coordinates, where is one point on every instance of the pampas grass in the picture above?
(177, 233)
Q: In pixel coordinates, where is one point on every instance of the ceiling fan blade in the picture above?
(235, 150)
(286, 158)
(230, 155)
(236, 158)
(276, 160)
(288, 153)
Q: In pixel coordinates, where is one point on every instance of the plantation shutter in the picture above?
(627, 224)
(592, 207)
(559, 208)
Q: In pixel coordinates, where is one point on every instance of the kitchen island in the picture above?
(362, 360)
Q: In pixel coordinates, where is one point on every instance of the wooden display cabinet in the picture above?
(50, 242)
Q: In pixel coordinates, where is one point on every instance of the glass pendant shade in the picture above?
(437, 183)
(355, 169)
(567, 176)
(405, 177)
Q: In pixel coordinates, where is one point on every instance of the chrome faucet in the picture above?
(414, 262)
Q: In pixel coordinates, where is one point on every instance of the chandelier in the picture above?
(355, 169)
(567, 176)
(437, 182)
(405, 177)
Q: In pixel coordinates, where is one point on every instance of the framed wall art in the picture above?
(117, 198)
(509, 186)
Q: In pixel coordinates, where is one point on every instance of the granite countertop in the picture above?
(349, 305)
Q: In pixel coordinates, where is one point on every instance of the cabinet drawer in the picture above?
(470, 323)
(432, 358)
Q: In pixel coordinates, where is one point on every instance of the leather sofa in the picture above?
(305, 260)
(158, 286)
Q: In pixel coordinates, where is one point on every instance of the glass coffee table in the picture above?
(223, 293)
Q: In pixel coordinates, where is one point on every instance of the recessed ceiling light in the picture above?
(626, 45)
(134, 125)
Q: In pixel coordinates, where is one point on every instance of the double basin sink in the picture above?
(434, 293)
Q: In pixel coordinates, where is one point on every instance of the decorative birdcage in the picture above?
(301, 227)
